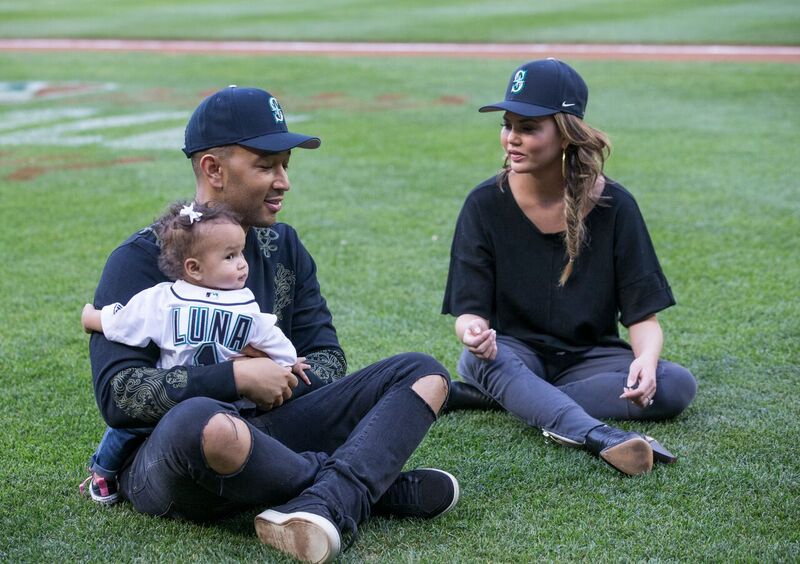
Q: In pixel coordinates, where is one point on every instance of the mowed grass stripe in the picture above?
(767, 22)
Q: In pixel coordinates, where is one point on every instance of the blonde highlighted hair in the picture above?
(584, 157)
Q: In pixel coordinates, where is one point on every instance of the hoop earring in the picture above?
(563, 163)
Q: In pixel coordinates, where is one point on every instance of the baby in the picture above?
(205, 317)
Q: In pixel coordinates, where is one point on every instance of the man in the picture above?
(225, 436)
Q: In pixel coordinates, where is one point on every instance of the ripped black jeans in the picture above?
(347, 441)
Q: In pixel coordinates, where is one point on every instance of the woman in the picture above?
(547, 257)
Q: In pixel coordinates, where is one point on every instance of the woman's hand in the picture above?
(646, 341)
(481, 342)
(641, 385)
(475, 334)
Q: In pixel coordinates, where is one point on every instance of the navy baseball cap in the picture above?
(250, 117)
(543, 88)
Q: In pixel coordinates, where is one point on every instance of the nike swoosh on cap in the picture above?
(565, 105)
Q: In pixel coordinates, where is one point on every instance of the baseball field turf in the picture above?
(90, 152)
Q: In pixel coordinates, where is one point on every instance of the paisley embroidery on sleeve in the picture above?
(266, 238)
(142, 392)
(284, 289)
(328, 364)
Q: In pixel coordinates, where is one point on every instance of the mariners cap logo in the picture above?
(277, 112)
(519, 81)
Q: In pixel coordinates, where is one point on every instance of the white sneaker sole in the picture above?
(105, 500)
(306, 536)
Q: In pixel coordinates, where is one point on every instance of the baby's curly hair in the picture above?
(179, 235)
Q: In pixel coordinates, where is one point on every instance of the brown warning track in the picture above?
(786, 54)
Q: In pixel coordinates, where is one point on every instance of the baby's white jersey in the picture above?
(193, 325)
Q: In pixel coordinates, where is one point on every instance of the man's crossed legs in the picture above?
(330, 457)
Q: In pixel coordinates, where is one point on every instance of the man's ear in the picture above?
(211, 166)
(193, 270)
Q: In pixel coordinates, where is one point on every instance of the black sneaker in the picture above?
(425, 493)
(303, 528)
(100, 489)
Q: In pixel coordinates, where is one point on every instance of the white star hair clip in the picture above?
(188, 211)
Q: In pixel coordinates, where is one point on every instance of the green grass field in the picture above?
(708, 150)
(676, 21)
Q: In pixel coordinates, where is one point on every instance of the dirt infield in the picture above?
(785, 54)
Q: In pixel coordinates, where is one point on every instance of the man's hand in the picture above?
(298, 369)
(263, 382)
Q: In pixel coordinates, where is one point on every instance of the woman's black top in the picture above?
(504, 269)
